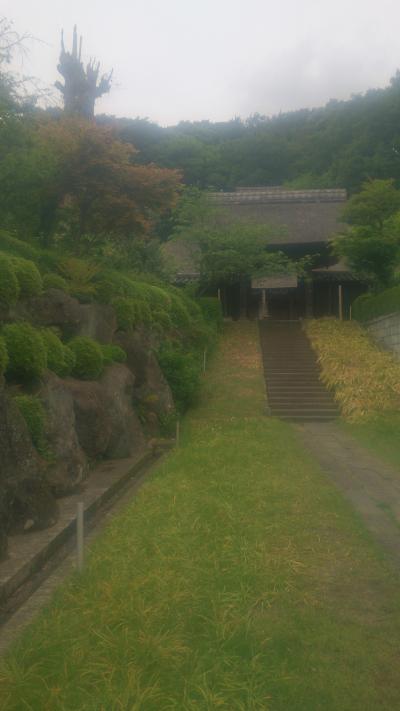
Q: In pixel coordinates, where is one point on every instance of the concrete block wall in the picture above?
(386, 331)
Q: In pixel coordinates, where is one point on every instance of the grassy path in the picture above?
(237, 579)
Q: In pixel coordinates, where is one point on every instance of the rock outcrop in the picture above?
(56, 308)
(70, 463)
(26, 501)
(105, 421)
(151, 391)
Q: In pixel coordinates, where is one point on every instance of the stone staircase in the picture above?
(294, 388)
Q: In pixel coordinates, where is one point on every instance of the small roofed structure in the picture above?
(302, 222)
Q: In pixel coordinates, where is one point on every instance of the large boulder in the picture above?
(26, 501)
(126, 434)
(151, 391)
(98, 321)
(105, 421)
(70, 466)
(56, 308)
(53, 308)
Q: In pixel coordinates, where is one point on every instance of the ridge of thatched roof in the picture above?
(279, 195)
(300, 216)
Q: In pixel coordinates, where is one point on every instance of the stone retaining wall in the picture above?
(386, 331)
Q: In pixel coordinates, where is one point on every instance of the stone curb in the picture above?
(29, 552)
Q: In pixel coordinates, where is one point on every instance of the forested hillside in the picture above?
(339, 145)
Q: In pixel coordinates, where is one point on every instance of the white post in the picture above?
(79, 535)
(219, 294)
(177, 433)
(340, 302)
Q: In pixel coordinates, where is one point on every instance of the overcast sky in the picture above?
(215, 59)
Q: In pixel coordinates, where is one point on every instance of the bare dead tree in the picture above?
(82, 86)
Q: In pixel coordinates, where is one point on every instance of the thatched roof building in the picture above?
(297, 222)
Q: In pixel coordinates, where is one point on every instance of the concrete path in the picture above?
(372, 486)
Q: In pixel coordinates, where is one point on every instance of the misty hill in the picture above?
(339, 145)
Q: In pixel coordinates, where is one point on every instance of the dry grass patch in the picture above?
(365, 379)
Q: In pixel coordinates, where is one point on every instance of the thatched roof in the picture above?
(300, 216)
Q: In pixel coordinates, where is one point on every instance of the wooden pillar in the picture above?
(340, 302)
(263, 307)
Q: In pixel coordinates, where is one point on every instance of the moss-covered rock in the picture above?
(34, 415)
(88, 358)
(26, 352)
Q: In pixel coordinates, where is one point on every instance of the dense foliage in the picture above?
(365, 379)
(369, 306)
(3, 356)
(88, 358)
(9, 287)
(60, 358)
(371, 245)
(26, 351)
(339, 145)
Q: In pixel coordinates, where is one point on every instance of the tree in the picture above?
(98, 192)
(372, 244)
(81, 86)
(229, 253)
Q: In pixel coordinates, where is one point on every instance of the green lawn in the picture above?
(381, 435)
(237, 579)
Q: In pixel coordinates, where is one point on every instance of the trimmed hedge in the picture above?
(88, 358)
(3, 356)
(9, 287)
(58, 358)
(113, 354)
(54, 281)
(369, 306)
(26, 351)
(131, 312)
(34, 415)
(182, 370)
(28, 277)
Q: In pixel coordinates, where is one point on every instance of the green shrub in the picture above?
(54, 281)
(162, 319)
(9, 287)
(69, 360)
(58, 358)
(369, 306)
(18, 247)
(179, 314)
(28, 277)
(211, 310)
(88, 358)
(182, 372)
(113, 354)
(34, 415)
(3, 356)
(130, 312)
(26, 351)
